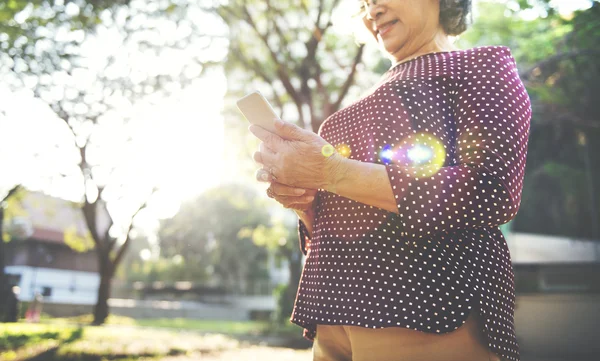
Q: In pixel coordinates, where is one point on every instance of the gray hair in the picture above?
(454, 15)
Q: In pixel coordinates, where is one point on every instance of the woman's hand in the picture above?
(296, 157)
(298, 199)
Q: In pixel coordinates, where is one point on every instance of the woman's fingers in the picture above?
(263, 175)
(291, 197)
(283, 190)
(263, 148)
(272, 140)
(299, 202)
(258, 158)
(264, 155)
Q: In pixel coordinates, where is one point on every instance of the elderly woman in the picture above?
(405, 260)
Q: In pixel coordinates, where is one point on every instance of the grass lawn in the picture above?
(252, 328)
(15, 336)
(225, 327)
(126, 339)
(50, 342)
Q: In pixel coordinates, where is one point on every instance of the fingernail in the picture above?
(264, 176)
(310, 198)
(300, 191)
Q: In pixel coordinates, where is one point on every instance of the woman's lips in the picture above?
(386, 28)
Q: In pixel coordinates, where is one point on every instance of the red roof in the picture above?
(49, 218)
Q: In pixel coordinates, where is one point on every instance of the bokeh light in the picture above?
(387, 154)
(344, 150)
(327, 150)
(422, 153)
(427, 154)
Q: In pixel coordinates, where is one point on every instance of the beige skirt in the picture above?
(352, 343)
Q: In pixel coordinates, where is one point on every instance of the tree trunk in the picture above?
(3, 283)
(101, 308)
(5, 289)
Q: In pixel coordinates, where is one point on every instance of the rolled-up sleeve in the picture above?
(481, 180)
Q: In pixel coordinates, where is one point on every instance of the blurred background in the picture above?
(127, 184)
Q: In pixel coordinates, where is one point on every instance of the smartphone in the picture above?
(257, 110)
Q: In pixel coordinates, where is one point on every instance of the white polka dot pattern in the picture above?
(426, 267)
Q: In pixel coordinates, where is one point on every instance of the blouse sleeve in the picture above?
(482, 181)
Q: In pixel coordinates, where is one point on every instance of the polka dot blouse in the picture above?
(451, 129)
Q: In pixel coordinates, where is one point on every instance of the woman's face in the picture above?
(403, 27)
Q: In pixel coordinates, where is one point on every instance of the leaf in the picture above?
(171, 8)
(76, 242)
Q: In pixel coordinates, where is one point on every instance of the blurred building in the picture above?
(557, 281)
(50, 251)
(551, 264)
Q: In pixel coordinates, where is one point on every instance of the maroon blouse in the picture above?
(452, 130)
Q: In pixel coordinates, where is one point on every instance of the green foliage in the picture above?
(557, 58)
(168, 270)
(282, 237)
(12, 208)
(14, 336)
(530, 40)
(76, 242)
(285, 296)
(292, 53)
(210, 233)
(22, 25)
(271, 237)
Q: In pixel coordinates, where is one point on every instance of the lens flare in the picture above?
(387, 154)
(344, 150)
(422, 154)
(327, 150)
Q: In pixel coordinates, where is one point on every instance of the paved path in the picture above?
(250, 353)
(263, 353)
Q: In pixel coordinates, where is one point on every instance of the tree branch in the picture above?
(125, 245)
(255, 66)
(282, 71)
(284, 45)
(89, 214)
(350, 80)
(322, 91)
(319, 14)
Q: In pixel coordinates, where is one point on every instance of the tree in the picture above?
(4, 286)
(53, 50)
(557, 60)
(295, 55)
(291, 52)
(281, 236)
(209, 233)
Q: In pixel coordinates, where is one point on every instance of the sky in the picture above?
(178, 141)
(178, 144)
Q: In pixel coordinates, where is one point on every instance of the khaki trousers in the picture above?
(352, 343)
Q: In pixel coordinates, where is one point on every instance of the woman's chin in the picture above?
(392, 49)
